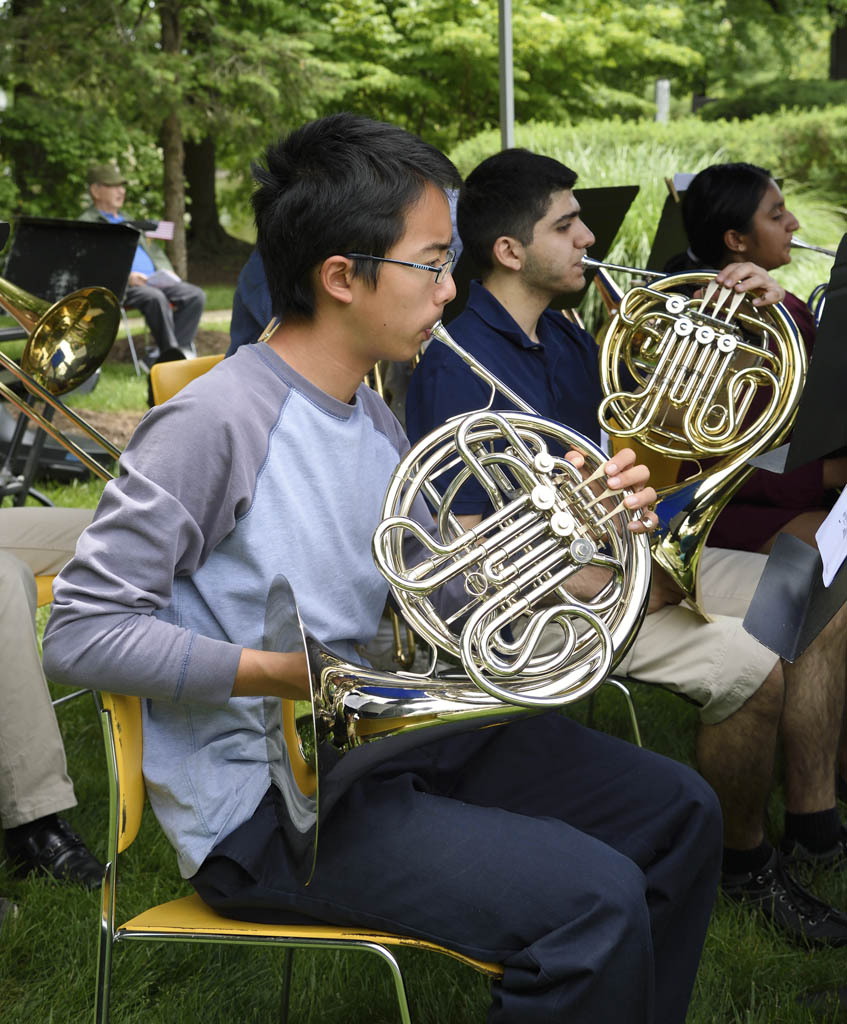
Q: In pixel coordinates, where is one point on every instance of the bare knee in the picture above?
(768, 700)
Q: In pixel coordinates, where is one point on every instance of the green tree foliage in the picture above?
(95, 81)
(432, 65)
(135, 79)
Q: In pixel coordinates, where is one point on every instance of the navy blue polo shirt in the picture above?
(558, 377)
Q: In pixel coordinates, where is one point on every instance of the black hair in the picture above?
(507, 194)
(720, 198)
(340, 184)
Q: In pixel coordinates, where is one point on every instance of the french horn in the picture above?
(709, 380)
(512, 578)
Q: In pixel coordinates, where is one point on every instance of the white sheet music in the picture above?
(832, 539)
(164, 229)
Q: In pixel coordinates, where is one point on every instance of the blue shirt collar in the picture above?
(491, 312)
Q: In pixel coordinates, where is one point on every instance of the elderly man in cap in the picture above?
(172, 307)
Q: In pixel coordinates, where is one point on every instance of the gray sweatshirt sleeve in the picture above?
(185, 477)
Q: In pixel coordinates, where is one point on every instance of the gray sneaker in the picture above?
(789, 906)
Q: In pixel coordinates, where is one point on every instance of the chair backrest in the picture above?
(124, 719)
(44, 587)
(168, 378)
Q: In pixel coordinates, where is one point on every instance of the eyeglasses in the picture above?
(440, 272)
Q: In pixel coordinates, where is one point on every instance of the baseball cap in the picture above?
(105, 174)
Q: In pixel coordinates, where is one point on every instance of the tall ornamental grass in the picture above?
(616, 153)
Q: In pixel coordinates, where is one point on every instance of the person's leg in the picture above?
(736, 756)
(423, 846)
(188, 302)
(804, 525)
(156, 310)
(44, 538)
(734, 680)
(34, 783)
(657, 812)
(33, 774)
(812, 719)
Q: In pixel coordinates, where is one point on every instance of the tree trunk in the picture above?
(838, 52)
(206, 231)
(173, 182)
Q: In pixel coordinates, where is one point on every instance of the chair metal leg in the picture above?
(131, 343)
(69, 696)
(104, 949)
(287, 965)
(624, 689)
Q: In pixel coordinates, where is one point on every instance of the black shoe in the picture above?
(55, 848)
(804, 864)
(787, 904)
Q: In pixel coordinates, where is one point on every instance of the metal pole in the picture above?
(507, 84)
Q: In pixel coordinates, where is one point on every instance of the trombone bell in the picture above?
(68, 341)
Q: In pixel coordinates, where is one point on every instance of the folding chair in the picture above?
(168, 378)
(188, 919)
(130, 342)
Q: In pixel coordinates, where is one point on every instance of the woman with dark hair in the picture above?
(736, 212)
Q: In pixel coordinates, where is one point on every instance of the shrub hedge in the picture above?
(770, 97)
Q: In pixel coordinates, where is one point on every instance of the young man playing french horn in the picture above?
(585, 865)
(520, 222)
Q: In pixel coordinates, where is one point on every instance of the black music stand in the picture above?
(670, 238)
(791, 605)
(52, 258)
(602, 209)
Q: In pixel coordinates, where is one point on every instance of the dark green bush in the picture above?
(770, 97)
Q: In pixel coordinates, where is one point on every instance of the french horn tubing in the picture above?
(817, 297)
(515, 570)
(67, 342)
(680, 376)
(797, 243)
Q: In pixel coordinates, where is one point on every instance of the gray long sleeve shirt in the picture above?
(248, 474)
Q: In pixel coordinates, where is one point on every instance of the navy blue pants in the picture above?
(587, 866)
(172, 312)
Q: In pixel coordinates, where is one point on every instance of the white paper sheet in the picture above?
(832, 539)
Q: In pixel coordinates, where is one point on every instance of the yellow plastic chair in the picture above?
(44, 586)
(189, 919)
(168, 378)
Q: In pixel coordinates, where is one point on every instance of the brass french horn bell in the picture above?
(681, 376)
(67, 342)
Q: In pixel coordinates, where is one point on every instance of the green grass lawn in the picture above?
(47, 953)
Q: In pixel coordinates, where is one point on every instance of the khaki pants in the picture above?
(33, 773)
(716, 664)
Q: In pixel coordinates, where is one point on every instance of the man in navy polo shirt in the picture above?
(520, 222)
